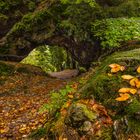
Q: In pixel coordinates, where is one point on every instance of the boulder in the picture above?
(80, 117)
(65, 74)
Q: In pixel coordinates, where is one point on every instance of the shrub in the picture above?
(112, 32)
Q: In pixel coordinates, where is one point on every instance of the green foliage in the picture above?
(18, 27)
(28, 22)
(31, 5)
(81, 16)
(77, 23)
(112, 32)
(105, 88)
(82, 70)
(74, 19)
(129, 8)
(4, 6)
(39, 133)
(88, 113)
(3, 18)
(133, 107)
(134, 126)
(7, 5)
(57, 99)
(48, 58)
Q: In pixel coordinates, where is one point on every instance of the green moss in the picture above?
(14, 3)
(104, 89)
(133, 107)
(18, 14)
(3, 17)
(31, 5)
(134, 126)
(17, 29)
(4, 6)
(23, 70)
(39, 133)
(106, 134)
(6, 69)
(89, 114)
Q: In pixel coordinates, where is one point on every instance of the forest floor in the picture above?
(21, 97)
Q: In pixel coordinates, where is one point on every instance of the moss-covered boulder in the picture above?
(10, 68)
(104, 86)
(79, 115)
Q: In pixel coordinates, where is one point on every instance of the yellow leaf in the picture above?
(138, 84)
(109, 74)
(134, 82)
(63, 112)
(3, 130)
(127, 90)
(114, 65)
(115, 70)
(75, 86)
(22, 130)
(70, 96)
(122, 68)
(138, 69)
(67, 104)
(85, 101)
(127, 77)
(123, 97)
(124, 90)
(133, 91)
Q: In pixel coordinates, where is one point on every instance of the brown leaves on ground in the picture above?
(21, 97)
(101, 110)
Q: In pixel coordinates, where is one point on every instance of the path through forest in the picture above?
(21, 96)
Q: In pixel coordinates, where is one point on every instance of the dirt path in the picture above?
(21, 97)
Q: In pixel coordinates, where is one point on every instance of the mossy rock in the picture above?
(29, 69)
(104, 85)
(78, 114)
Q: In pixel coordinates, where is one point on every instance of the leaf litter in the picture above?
(21, 97)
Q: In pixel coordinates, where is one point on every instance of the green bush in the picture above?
(57, 100)
(112, 32)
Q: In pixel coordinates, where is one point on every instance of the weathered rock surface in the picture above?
(65, 74)
(79, 115)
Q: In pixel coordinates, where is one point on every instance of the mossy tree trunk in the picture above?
(29, 24)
